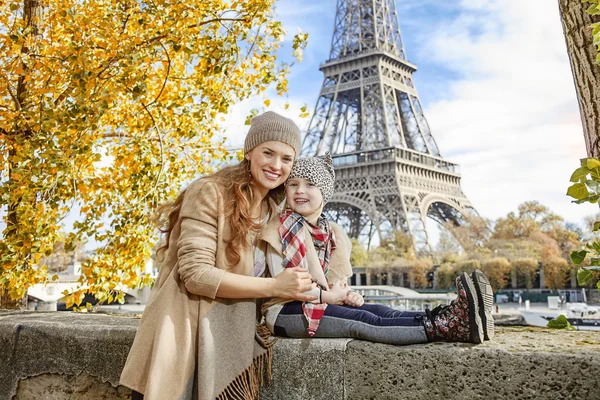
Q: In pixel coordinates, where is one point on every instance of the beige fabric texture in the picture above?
(189, 344)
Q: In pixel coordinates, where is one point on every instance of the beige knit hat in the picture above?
(271, 126)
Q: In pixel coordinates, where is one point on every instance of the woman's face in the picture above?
(303, 197)
(270, 164)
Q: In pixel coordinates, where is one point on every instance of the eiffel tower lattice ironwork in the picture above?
(390, 174)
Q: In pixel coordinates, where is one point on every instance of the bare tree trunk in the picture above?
(586, 73)
(32, 14)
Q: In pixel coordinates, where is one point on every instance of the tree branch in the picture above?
(166, 76)
(160, 37)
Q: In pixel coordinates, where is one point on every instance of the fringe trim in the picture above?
(247, 384)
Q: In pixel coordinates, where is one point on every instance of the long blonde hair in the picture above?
(238, 195)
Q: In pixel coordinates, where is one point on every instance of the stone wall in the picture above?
(60, 355)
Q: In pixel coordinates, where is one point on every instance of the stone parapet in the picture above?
(61, 355)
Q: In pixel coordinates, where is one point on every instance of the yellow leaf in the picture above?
(267, 103)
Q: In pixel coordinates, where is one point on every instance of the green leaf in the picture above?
(578, 191)
(595, 173)
(579, 173)
(560, 322)
(591, 199)
(596, 226)
(583, 276)
(592, 163)
(578, 256)
(593, 10)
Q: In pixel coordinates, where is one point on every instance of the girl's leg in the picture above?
(458, 322)
(388, 312)
(351, 322)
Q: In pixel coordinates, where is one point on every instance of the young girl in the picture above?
(302, 236)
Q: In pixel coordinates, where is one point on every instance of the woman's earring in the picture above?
(249, 172)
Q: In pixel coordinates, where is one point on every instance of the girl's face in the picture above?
(303, 197)
(270, 164)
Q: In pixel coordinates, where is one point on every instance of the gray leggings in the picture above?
(373, 322)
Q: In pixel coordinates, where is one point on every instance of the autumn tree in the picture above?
(533, 232)
(497, 270)
(358, 256)
(417, 271)
(447, 248)
(446, 276)
(472, 233)
(110, 106)
(555, 272)
(525, 270)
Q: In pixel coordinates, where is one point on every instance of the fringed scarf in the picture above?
(292, 232)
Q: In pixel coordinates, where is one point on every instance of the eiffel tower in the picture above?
(390, 174)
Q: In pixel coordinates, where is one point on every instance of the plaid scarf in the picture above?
(292, 230)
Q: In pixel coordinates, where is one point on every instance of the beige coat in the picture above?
(339, 262)
(191, 345)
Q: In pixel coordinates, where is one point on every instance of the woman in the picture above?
(197, 337)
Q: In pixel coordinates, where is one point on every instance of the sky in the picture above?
(496, 86)
(495, 83)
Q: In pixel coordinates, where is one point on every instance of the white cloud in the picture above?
(511, 119)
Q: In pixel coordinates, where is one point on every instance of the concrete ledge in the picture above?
(59, 355)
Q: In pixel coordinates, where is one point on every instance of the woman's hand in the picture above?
(354, 299)
(336, 294)
(292, 283)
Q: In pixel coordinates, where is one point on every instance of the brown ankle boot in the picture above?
(460, 321)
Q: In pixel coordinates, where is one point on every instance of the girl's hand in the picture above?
(336, 294)
(291, 283)
(354, 299)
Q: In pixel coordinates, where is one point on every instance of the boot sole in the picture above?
(485, 297)
(474, 319)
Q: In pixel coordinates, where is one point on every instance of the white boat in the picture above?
(580, 316)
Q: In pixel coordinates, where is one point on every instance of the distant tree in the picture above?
(446, 274)
(358, 256)
(447, 249)
(497, 270)
(473, 232)
(532, 217)
(417, 270)
(555, 272)
(467, 266)
(526, 269)
(400, 244)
